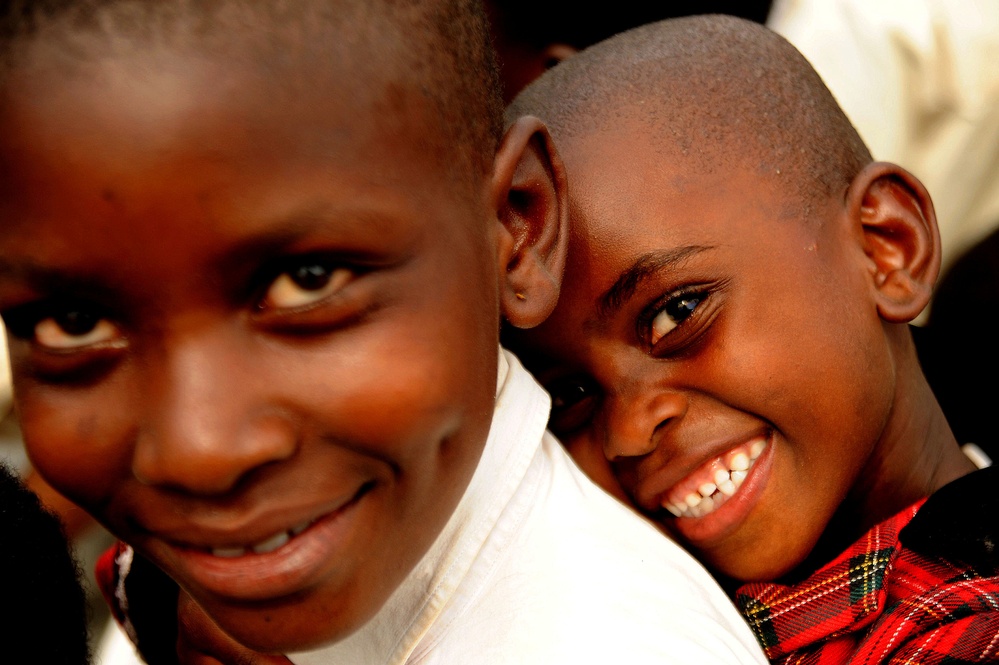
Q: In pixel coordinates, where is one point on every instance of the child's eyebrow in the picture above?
(336, 224)
(275, 235)
(101, 283)
(53, 280)
(645, 266)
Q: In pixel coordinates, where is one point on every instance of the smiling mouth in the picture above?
(279, 539)
(710, 486)
(280, 565)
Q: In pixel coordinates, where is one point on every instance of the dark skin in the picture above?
(210, 318)
(744, 329)
(201, 642)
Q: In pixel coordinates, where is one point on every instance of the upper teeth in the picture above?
(264, 546)
(711, 495)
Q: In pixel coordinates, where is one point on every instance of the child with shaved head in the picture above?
(254, 256)
(730, 352)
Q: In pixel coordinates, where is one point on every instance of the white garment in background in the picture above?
(919, 79)
(114, 647)
(538, 566)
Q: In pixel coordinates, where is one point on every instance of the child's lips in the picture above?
(717, 508)
(267, 568)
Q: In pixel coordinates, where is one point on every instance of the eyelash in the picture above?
(311, 295)
(47, 319)
(566, 418)
(70, 341)
(682, 308)
(317, 279)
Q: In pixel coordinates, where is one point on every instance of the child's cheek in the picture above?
(75, 440)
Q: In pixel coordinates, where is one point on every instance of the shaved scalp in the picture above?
(539, 24)
(721, 92)
(440, 49)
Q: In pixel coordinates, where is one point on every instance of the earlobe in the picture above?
(530, 198)
(900, 237)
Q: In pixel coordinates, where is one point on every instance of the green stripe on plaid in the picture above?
(867, 573)
(757, 614)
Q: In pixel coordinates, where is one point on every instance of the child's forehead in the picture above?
(633, 164)
(142, 101)
(373, 57)
(175, 140)
(637, 194)
(190, 73)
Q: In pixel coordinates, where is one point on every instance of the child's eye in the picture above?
(573, 402)
(74, 329)
(304, 285)
(59, 326)
(674, 312)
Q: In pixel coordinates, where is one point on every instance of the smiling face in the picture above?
(715, 357)
(267, 361)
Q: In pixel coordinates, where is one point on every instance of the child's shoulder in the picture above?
(958, 523)
(598, 568)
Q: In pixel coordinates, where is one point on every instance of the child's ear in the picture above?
(555, 53)
(530, 198)
(900, 238)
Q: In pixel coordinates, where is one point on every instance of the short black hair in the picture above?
(719, 89)
(442, 48)
(46, 618)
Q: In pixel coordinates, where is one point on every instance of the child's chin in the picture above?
(735, 569)
(286, 629)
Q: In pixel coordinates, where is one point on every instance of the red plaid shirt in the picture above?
(921, 587)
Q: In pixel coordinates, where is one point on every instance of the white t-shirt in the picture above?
(539, 566)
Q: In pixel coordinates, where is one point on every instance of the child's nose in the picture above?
(210, 421)
(634, 417)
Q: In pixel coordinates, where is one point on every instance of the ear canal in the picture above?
(557, 53)
(530, 198)
(901, 239)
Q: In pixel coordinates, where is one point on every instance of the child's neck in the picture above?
(916, 455)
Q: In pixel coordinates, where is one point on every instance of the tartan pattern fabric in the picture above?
(882, 601)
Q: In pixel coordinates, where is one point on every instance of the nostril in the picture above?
(627, 444)
(636, 423)
(628, 435)
(212, 460)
